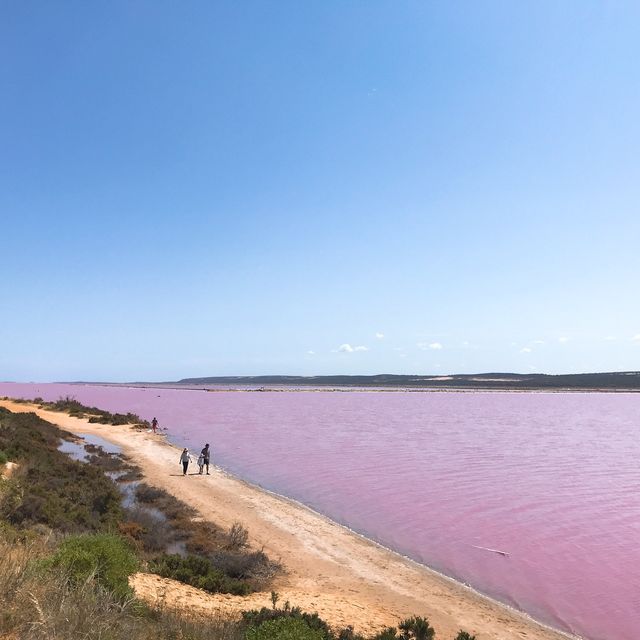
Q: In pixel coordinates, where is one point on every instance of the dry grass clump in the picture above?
(237, 537)
(131, 473)
(150, 533)
(255, 567)
(200, 537)
(173, 508)
(45, 605)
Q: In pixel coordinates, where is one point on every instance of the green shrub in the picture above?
(416, 629)
(3, 458)
(311, 620)
(199, 572)
(463, 635)
(104, 556)
(284, 629)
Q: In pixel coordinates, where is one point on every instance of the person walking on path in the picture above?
(185, 458)
(206, 453)
(154, 425)
(200, 463)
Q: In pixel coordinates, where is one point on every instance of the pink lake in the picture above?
(552, 479)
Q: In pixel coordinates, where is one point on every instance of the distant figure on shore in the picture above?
(201, 463)
(185, 459)
(206, 454)
(154, 425)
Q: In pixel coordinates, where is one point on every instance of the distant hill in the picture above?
(624, 380)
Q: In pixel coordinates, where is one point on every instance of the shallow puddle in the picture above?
(78, 451)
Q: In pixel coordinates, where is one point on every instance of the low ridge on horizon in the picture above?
(623, 380)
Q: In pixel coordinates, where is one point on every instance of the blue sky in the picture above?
(212, 188)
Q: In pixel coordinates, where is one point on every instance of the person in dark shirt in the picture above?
(207, 457)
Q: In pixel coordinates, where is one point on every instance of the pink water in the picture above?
(552, 479)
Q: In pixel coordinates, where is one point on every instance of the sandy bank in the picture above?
(344, 577)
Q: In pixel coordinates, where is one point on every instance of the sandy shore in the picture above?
(347, 579)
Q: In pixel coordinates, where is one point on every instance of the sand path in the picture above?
(344, 577)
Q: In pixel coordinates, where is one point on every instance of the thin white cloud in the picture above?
(563, 339)
(609, 338)
(379, 335)
(429, 345)
(526, 350)
(636, 338)
(311, 353)
(347, 348)
(538, 342)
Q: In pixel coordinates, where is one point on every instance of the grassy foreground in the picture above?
(68, 545)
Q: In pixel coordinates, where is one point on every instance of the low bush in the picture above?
(463, 635)
(3, 458)
(173, 508)
(284, 629)
(257, 618)
(107, 462)
(105, 557)
(130, 473)
(149, 494)
(416, 628)
(200, 537)
(254, 566)
(198, 572)
(237, 537)
(152, 533)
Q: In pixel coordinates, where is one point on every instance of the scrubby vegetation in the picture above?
(217, 551)
(103, 557)
(70, 405)
(49, 487)
(284, 629)
(38, 604)
(257, 618)
(67, 496)
(288, 619)
(198, 572)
